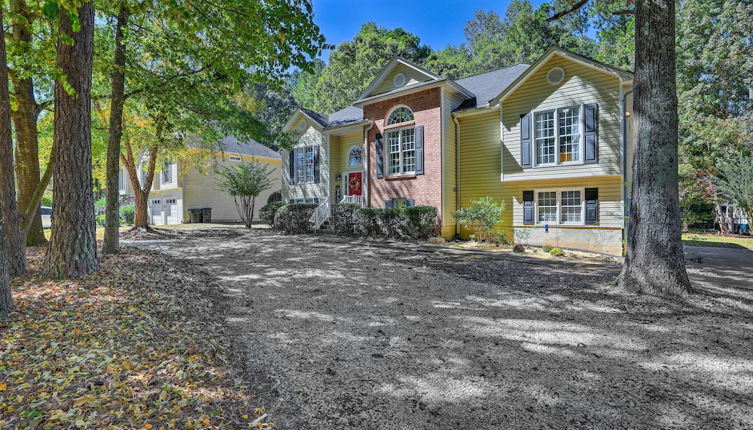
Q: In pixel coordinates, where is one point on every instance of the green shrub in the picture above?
(519, 248)
(344, 219)
(294, 218)
(46, 201)
(100, 220)
(413, 222)
(556, 252)
(127, 214)
(366, 222)
(275, 197)
(546, 248)
(267, 213)
(482, 217)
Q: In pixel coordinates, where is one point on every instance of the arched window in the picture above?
(355, 157)
(400, 115)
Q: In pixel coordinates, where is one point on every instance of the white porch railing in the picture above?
(321, 214)
(359, 200)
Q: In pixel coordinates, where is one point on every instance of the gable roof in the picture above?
(232, 145)
(487, 85)
(388, 68)
(348, 116)
(621, 74)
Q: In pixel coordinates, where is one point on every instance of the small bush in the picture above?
(414, 222)
(100, 220)
(366, 222)
(275, 197)
(519, 248)
(482, 217)
(343, 218)
(556, 252)
(267, 213)
(546, 248)
(127, 214)
(294, 218)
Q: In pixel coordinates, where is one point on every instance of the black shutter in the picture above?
(592, 205)
(419, 150)
(379, 143)
(317, 150)
(291, 155)
(528, 208)
(591, 132)
(525, 140)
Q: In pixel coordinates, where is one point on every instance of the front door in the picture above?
(355, 184)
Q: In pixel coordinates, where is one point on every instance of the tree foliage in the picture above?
(734, 180)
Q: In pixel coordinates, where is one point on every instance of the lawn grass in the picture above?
(717, 241)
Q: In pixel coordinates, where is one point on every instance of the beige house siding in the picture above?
(311, 137)
(412, 76)
(582, 84)
(200, 190)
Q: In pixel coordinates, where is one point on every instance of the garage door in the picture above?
(156, 209)
(171, 211)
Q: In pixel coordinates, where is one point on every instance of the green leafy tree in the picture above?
(482, 217)
(735, 182)
(353, 64)
(245, 182)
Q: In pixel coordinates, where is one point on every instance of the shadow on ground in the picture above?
(354, 334)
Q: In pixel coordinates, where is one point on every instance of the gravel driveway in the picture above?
(349, 334)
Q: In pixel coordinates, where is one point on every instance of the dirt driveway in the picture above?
(349, 334)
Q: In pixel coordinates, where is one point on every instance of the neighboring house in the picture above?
(177, 190)
(552, 140)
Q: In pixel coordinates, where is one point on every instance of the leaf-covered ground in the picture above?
(141, 344)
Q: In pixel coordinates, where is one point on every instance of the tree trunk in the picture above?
(725, 224)
(6, 298)
(73, 248)
(110, 243)
(655, 262)
(25, 119)
(14, 252)
(140, 192)
(27, 216)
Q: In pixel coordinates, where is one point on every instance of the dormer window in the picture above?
(355, 157)
(400, 115)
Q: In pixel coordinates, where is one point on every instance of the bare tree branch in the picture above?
(568, 11)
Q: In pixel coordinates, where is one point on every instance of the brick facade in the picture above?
(425, 189)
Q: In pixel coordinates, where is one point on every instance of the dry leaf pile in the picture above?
(140, 344)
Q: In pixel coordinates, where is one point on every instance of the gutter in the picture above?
(367, 163)
(457, 170)
(623, 132)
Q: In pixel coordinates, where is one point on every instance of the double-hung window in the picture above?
(560, 207)
(167, 172)
(304, 164)
(401, 143)
(402, 151)
(557, 136)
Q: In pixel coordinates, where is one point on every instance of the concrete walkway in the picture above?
(343, 334)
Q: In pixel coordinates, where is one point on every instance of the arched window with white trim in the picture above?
(355, 157)
(400, 115)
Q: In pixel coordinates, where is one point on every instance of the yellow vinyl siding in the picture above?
(449, 163)
(412, 76)
(479, 157)
(339, 150)
(582, 84)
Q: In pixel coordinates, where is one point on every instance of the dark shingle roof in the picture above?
(488, 85)
(349, 115)
(232, 145)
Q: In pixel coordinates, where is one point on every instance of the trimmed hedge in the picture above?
(343, 218)
(294, 218)
(268, 211)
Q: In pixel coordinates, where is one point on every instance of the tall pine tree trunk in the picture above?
(655, 262)
(112, 232)
(6, 298)
(25, 119)
(13, 255)
(73, 248)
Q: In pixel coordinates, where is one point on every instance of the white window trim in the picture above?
(169, 166)
(388, 167)
(348, 167)
(581, 137)
(559, 206)
(295, 167)
(399, 124)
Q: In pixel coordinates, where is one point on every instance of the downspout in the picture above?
(367, 164)
(457, 169)
(625, 190)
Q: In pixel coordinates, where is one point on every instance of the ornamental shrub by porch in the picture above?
(267, 213)
(482, 217)
(294, 218)
(344, 218)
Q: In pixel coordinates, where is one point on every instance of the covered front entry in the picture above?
(353, 187)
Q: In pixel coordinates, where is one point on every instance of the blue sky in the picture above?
(437, 22)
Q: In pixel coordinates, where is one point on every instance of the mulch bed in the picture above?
(140, 344)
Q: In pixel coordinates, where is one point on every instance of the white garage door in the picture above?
(171, 211)
(156, 208)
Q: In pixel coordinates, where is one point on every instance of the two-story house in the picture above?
(551, 139)
(177, 190)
